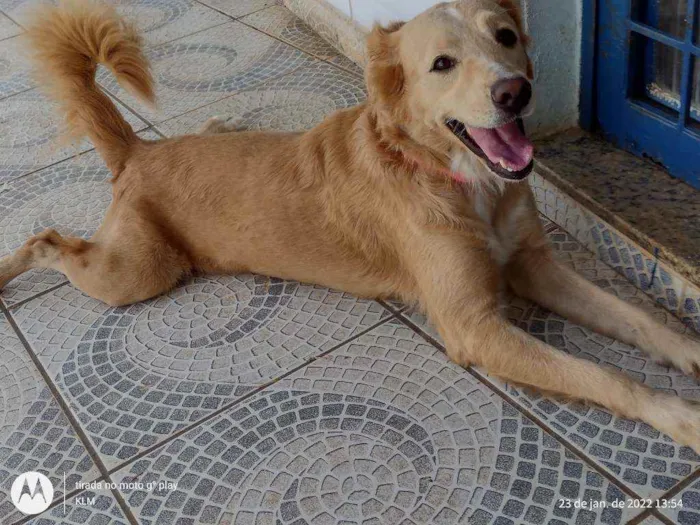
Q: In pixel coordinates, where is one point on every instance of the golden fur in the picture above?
(367, 201)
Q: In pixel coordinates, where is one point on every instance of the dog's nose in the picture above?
(511, 94)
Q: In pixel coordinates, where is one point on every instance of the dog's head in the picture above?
(456, 79)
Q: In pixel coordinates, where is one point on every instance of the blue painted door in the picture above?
(648, 80)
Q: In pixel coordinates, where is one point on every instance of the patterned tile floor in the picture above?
(244, 399)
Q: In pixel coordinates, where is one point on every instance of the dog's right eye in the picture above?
(506, 37)
(443, 63)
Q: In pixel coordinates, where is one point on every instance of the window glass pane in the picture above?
(668, 16)
(655, 72)
(664, 82)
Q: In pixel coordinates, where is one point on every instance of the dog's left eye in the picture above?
(443, 63)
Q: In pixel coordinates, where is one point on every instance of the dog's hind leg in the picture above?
(123, 269)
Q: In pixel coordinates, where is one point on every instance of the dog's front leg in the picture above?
(457, 284)
(536, 275)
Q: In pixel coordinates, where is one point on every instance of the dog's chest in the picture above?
(502, 227)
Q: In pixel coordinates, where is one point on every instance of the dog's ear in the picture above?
(512, 7)
(384, 73)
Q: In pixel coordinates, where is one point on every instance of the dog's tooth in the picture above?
(503, 165)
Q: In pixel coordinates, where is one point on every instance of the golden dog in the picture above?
(413, 194)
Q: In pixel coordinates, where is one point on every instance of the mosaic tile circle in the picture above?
(221, 329)
(209, 67)
(136, 374)
(294, 102)
(383, 430)
(153, 14)
(30, 126)
(201, 68)
(301, 99)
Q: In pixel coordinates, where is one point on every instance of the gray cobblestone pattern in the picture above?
(383, 430)
(35, 435)
(273, 402)
(29, 133)
(279, 22)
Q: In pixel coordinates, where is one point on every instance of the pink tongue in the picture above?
(504, 146)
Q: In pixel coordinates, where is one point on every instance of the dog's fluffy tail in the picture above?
(67, 42)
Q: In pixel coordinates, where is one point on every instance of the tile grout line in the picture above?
(256, 390)
(34, 86)
(676, 489)
(16, 305)
(391, 307)
(9, 37)
(690, 478)
(73, 158)
(153, 125)
(65, 407)
(527, 412)
(229, 95)
(649, 513)
(278, 38)
(232, 17)
(146, 47)
(149, 124)
(7, 15)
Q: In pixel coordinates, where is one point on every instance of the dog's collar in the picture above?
(415, 163)
(440, 171)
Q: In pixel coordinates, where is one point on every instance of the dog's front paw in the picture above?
(680, 351)
(687, 356)
(685, 420)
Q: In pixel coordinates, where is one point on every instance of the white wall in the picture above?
(555, 27)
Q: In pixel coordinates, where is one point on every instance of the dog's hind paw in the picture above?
(217, 125)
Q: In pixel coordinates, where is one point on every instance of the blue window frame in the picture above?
(641, 79)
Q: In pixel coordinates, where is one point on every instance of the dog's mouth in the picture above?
(505, 149)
